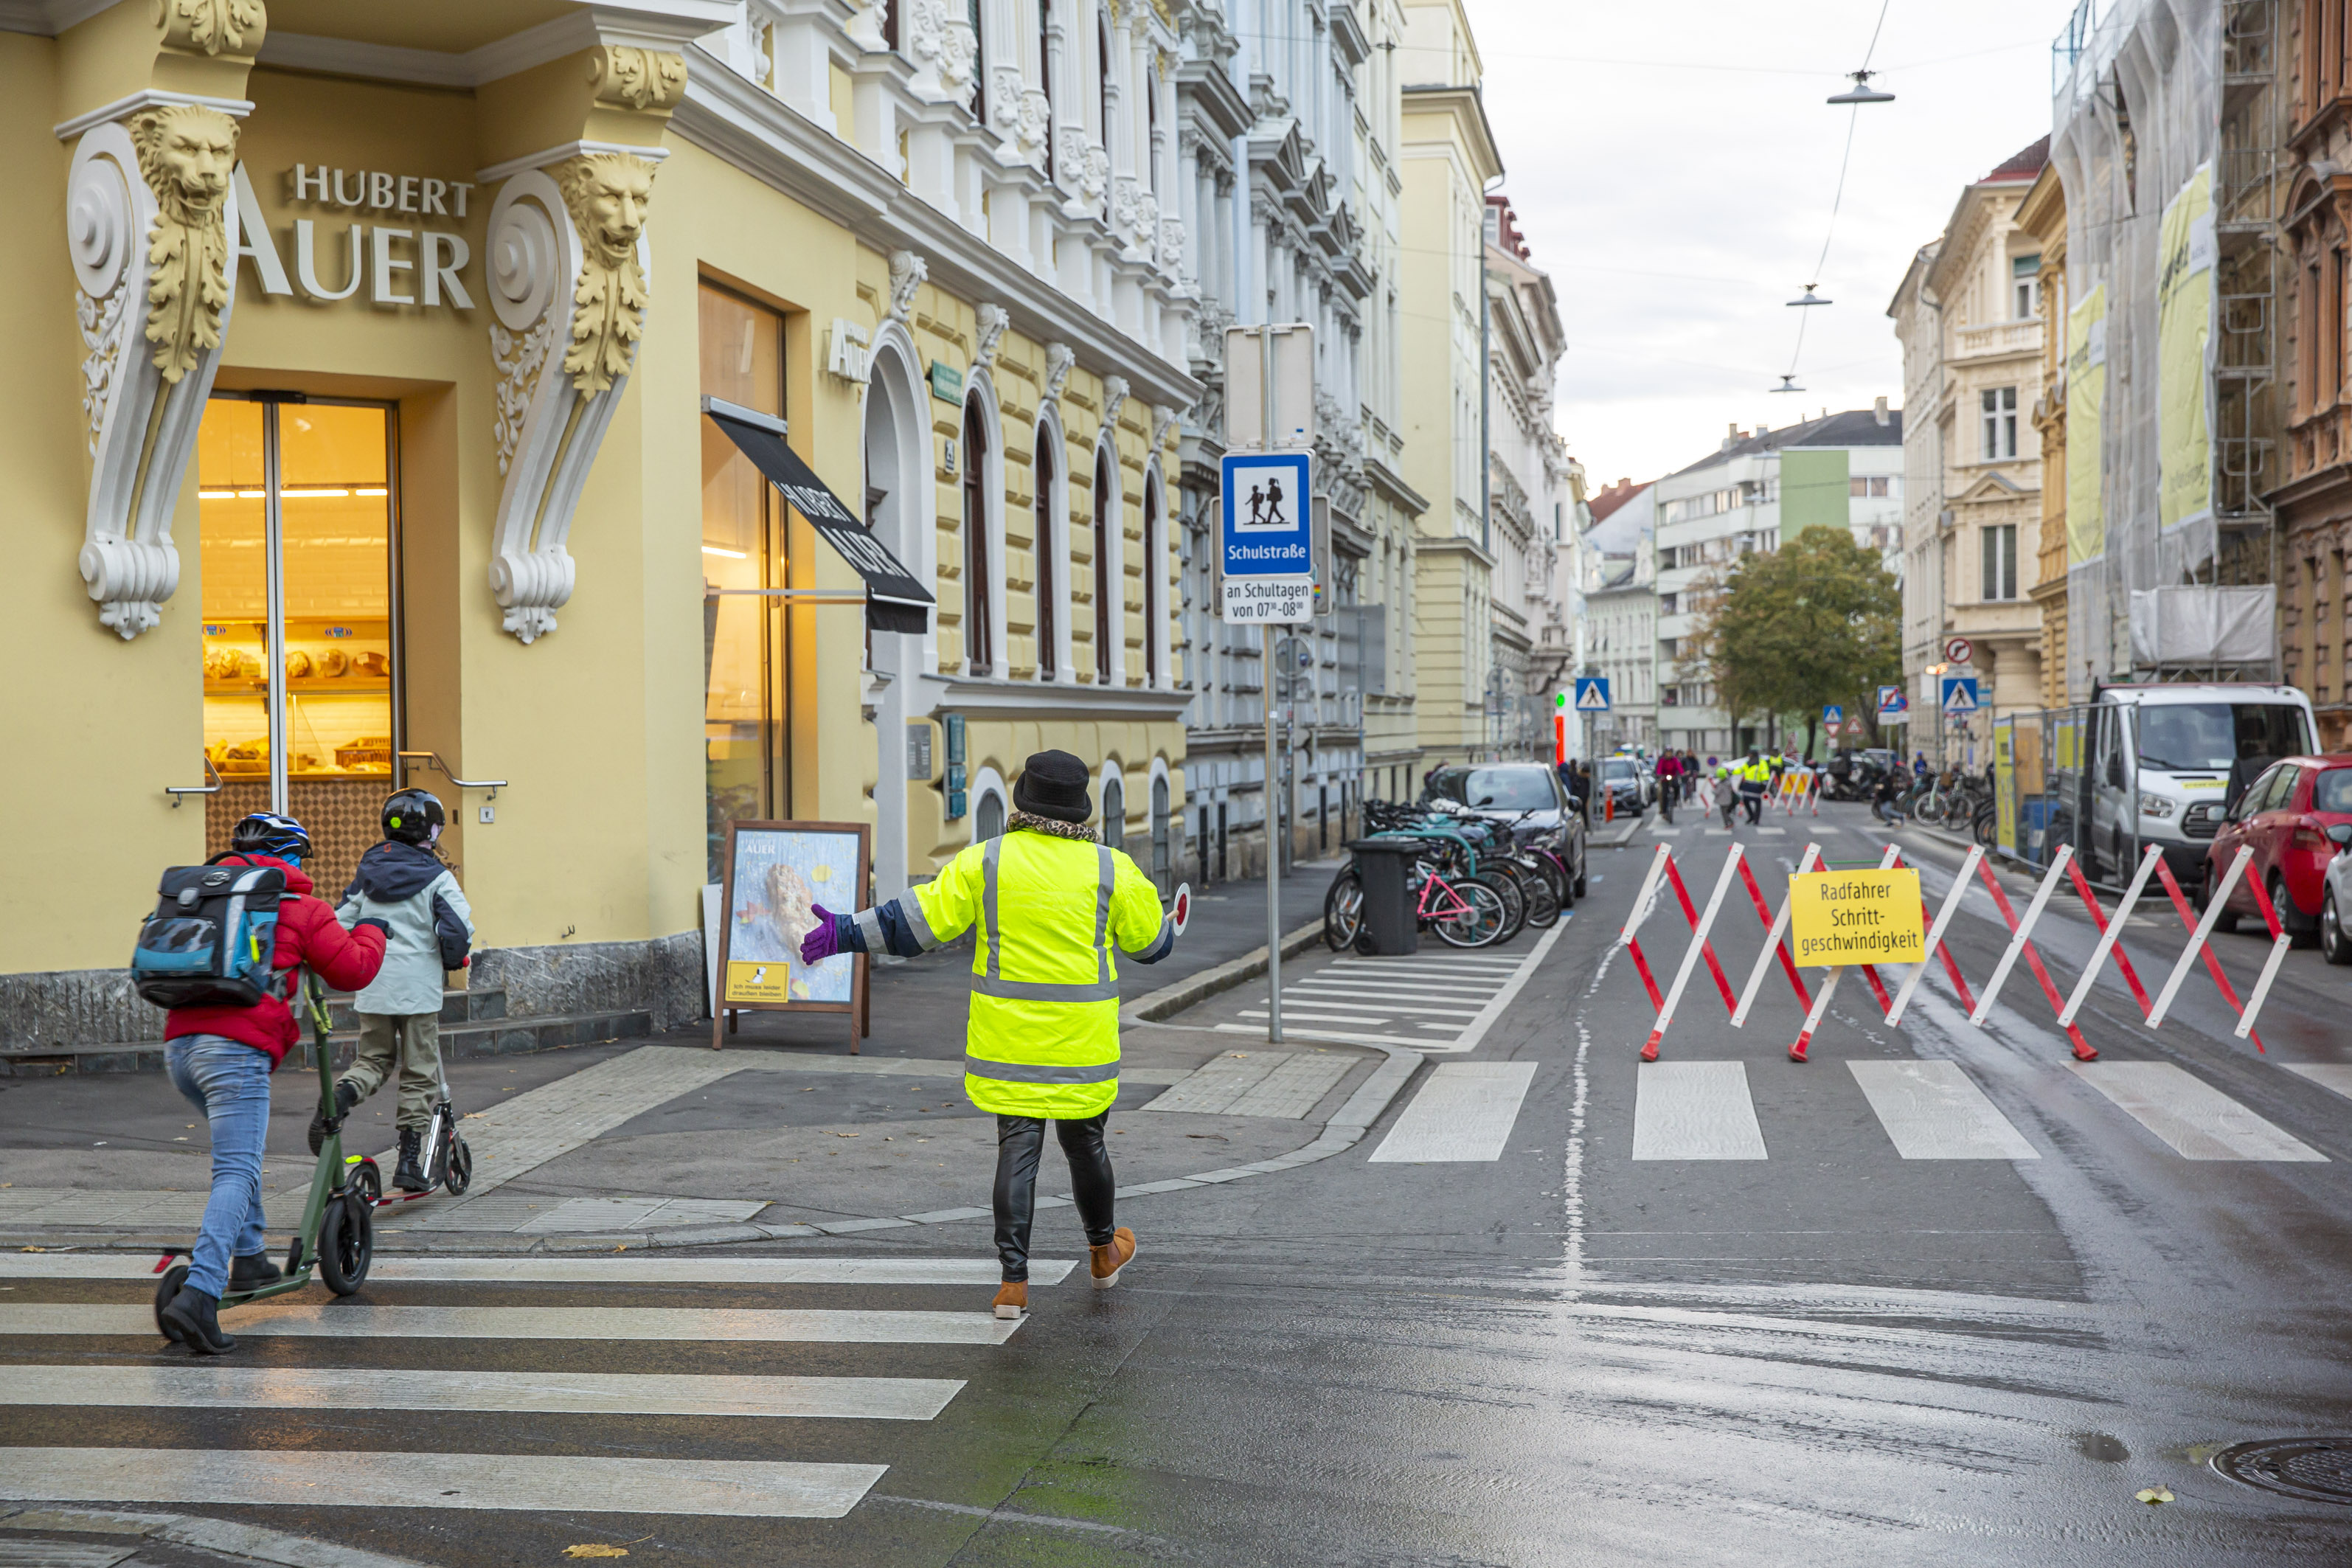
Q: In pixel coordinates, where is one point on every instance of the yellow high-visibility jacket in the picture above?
(1042, 1037)
(1757, 772)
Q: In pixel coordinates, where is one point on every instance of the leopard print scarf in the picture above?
(1052, 827)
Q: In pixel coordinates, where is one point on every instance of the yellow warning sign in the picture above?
(758, 982)
(1857, 917)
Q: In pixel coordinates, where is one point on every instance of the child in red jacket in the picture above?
(221, 1059)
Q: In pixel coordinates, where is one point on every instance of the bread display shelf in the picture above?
(318, 685)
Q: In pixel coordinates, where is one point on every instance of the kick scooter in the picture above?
(337, 1237)
(445, 1160)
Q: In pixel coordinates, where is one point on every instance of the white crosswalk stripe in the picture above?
(1435, 1000)
(1463, 1112)
(1933, 1112)
(502, 1375)
(2197, 1119)
(1695, 1111)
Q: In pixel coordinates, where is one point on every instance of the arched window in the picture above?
(988, 816)
(979, 636)
(1151, 588)
(1162, 860)
(1114, 814)
(1049, 623)
(1106, 538)
(1046, 76)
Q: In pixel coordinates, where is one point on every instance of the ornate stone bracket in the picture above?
(567, 263)
(908, 271)
(1114, 399)
(993, 320)
(1162, 418)
(1059, 360)
(150, 220)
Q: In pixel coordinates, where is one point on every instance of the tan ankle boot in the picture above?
(1012, 1301)
(1110, 1260)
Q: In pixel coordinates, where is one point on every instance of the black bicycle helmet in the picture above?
(268, 832)
(413, 817)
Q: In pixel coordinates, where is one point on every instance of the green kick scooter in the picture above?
(338, 1233)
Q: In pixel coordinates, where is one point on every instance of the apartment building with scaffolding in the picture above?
(2166, 135)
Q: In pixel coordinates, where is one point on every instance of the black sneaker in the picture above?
(407, 1176)
(346, 1096)
(196, 1317)
(253, 1273)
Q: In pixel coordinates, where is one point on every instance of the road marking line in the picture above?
(292, 1388)
(1510, 991)
(2197, 1119)
(1695, 1111)
(349, 1321)
(1430, 962)
(1932, 1110)
(1362, 985)
(1293, 1013)
(379, 1478)
(1359, 1038)
(603, 1269)
(2336, 1076)
(1463, 1112)
(1337, 999)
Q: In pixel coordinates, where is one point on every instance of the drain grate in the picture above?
(2317, 1469)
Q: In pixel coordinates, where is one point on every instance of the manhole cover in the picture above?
(2317, 1469)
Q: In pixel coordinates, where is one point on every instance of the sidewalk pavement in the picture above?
(782, 1134)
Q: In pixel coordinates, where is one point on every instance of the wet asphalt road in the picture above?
(1830, 1355)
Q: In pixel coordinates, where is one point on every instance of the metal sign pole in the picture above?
(1273, 807)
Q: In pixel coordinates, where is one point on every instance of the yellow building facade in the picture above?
(366, 353)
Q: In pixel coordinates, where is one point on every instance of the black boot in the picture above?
(198, 1317)
(253, 1273)
(406, 1176)
(346, 1096)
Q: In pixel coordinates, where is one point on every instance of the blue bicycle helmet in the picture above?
(266, 833)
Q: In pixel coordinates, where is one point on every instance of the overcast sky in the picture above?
(1673, 167)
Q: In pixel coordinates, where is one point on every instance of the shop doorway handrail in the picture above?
(432, 760)
(212, 772)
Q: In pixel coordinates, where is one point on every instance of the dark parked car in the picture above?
(1527, 794)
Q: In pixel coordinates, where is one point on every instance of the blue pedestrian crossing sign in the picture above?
(1593, 694)
(1892, 703)
(1833, 713)
(1959, 694)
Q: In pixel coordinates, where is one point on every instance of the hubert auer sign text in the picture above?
(1268, 541)
(397, 259)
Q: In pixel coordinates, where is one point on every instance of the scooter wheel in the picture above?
(165, 1289)
(346, 1244)
(460, 1173)
(367, 1181)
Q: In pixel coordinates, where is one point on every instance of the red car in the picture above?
(2283, 818)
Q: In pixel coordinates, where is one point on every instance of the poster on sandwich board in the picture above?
(771, 881)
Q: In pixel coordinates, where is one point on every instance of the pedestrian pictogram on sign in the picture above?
(1959, 694)
(1892, 703)
(1833, 714)
(1593, 694)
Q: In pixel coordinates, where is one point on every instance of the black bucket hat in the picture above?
(1053, 784)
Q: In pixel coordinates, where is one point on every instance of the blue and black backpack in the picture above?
(213, 938)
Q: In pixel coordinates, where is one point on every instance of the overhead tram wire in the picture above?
(1845, 162)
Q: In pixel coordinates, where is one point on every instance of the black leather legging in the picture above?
(1019, 1141)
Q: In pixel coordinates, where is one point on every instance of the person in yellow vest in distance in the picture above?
(1042, 1043)
(1754, 775)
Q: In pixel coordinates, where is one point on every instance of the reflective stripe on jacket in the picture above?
(1043, 1039)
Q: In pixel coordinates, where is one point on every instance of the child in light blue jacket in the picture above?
(405, 885)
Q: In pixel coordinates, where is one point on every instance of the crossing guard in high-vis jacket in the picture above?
(1047, 912)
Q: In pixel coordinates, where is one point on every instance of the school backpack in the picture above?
(211, 939)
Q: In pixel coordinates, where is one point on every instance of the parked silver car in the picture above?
(2335, 897)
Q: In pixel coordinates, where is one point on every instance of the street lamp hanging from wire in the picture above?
(1810, 297)
(1862, 91)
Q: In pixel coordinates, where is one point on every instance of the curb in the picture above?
(234, 1542)
(1171, 1000)
(1599, 837)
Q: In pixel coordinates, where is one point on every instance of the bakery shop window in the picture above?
(301, 628)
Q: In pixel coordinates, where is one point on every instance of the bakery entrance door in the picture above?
(301, 633)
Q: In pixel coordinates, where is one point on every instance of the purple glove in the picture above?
(825, 941)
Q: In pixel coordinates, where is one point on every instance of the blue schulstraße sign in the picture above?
(1593, 694)
(1268, 514)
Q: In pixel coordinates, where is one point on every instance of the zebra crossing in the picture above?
(1934, 1110)
(874, 1363)
(1437, 1000)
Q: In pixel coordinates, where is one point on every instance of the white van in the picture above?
(2167, 761)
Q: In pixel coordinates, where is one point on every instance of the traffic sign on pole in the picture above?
(1958, 650)
(1892, 703)
(1833, 714)
(1959, 694)
(1267, 538)
(1593, 694)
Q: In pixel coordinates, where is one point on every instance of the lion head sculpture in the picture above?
(606, 194)
(187, 155)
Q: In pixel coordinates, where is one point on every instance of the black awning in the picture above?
(895, 602)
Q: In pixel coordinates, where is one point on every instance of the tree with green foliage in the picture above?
(1816, 622)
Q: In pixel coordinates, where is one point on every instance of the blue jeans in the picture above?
(229, 1083)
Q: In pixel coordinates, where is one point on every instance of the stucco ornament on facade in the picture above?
(212, 26)
(865, 24)
(1060, 358)
(1114, 400)
(566, 264)
(908, 271)
(157, 186)
(629, 77)
(992, 320)
(1164, 419)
